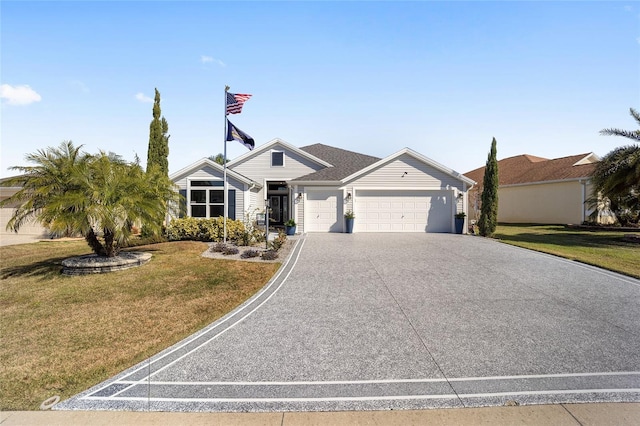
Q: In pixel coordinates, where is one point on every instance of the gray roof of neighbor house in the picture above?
(345, 163)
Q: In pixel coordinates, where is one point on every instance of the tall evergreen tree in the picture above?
(158, 152)
(489, 210)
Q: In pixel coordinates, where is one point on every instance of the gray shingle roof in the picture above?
(345, 163)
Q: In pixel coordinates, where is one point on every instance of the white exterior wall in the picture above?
(418, 176)
(258, 168)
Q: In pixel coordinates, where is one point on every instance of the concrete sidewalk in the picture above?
(561, 414)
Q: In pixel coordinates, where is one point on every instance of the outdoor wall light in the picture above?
(348, 196)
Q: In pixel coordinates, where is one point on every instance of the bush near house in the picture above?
(195, 229)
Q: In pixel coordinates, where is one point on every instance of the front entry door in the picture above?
(279, 209)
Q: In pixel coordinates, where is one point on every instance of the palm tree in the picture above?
(617, 175)
(52, 175)
(218, 158)
(631, 134)
(101, 197)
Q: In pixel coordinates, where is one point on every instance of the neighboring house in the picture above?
(6, 213)
(539, 190)
(316, 185)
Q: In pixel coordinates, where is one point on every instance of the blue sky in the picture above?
(442, 78)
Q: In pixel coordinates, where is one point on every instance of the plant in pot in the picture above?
(459, 219)
(348, 219)
(290, 227)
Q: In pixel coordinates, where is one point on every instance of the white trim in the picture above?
(415, 155)
(588, 159)
(375, 398)
(188, 170)
(392, 381)
(273, 151)
(270, 144)
(542, 182)
(333, 183)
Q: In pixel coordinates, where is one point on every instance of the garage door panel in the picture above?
(403, 211)
(323, 211)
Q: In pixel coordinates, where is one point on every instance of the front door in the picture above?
(279, 213)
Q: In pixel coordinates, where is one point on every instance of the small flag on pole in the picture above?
(233, 133)
(235, 102)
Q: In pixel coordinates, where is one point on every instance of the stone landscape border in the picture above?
(94, 264)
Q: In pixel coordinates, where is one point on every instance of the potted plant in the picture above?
(348, 219)
(459, 218)
(290, 227)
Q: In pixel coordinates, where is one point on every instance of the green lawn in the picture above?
(605, 249)
(60, 335)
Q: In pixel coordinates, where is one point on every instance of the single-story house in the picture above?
(540, 190)
(6, 213)
(317, 184)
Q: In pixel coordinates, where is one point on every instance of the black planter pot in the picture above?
(290, 230)
(459, 225)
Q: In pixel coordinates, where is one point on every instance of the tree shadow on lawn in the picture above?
(569, 238)
(43, 269)
(51, 267)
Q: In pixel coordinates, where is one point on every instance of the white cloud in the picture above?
(210, 59)
(142, 98)
(19, 95)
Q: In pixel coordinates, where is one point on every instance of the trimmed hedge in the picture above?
(195, 229)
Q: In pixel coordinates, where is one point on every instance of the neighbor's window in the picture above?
(208, 199)
(277, 158)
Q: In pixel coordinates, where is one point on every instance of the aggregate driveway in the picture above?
(393, 321)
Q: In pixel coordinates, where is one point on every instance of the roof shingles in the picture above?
(529, 169)
(344, 162)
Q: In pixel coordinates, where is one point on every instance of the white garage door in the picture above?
(403, 211)
(323, 213)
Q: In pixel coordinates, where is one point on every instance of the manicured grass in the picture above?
(605, 249)
(59, 335)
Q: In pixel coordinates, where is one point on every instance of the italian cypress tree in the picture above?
(489, 210)
(158, 151)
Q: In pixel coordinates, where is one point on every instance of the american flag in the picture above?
(235, 102)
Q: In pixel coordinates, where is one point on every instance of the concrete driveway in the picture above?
(395, 321)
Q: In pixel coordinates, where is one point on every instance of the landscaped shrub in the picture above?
(143, 241)
(190, 228)
(247, 254)
(230, 250)
(278, 241)
(269, 255)
(218, 247)
(258, 236)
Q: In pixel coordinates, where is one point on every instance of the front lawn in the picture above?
(605, 249)
(59, 335)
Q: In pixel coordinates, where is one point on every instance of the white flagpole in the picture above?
(224, 160)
